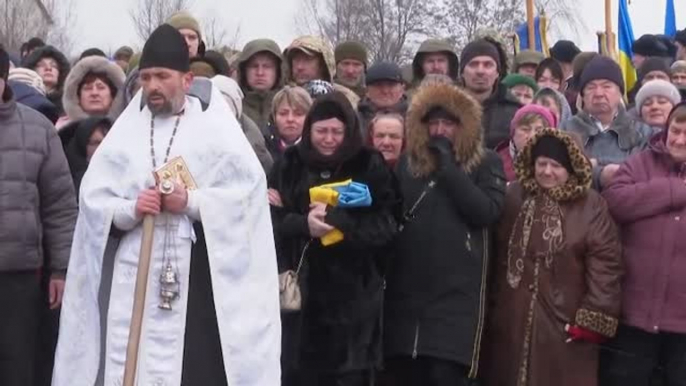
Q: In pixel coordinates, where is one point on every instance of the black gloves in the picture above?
(442, 149)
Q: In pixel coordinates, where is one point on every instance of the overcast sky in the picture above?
(107, 24)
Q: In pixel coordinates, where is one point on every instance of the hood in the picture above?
(313, 45)
(75, 137)
(29, 96)
(579, 182)
(32, 60)
(431, 46)
(565, 109)
(251, 49)
(467, 142)
(352, 143)
(92, 64)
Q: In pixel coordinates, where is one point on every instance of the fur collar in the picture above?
(579, 182)
(467, 146)
(92, 64)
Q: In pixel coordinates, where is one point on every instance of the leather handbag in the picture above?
(290, 295)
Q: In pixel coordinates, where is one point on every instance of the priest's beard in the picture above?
(169, 106)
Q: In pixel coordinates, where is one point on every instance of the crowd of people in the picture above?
(511, 221)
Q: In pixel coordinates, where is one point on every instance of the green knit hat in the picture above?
(351, 50)
(184, 20)
(518, 79)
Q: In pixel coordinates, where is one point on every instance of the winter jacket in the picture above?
(367, 111)
(75, 137)
(558, 263)
(647, 198)
(258, 104)
(498, 111)
(434, 46)
(342, 284)
(435, 297)
(504, 150)
(29, 96)
(63, 66)
(257, 141)
(624, 137)
(85, 66)
(38, 206)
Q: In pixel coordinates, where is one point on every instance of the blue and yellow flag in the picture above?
(670, 19)
(541, 37)
(626, 40)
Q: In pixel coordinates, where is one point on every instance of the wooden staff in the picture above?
(609, 35)
(139, 301)
(531, 25)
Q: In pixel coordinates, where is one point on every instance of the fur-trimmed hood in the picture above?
(32, 60)
(92, 64)
(468, 140)
(579, 181)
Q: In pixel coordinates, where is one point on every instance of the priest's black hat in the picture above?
(165, 48)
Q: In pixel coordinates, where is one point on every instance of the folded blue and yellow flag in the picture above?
(346, 194)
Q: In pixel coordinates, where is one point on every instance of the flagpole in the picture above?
(531, 24)
(609, 36)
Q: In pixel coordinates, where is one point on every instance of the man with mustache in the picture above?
(608, 133)
(482, 68)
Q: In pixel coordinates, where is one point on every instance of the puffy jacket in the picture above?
(29, 96)
(38, 203)
(499, 109)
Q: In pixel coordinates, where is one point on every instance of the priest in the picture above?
(211, 313)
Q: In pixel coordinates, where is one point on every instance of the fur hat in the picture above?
(602, 67)
(564, 51)
(657, 87)
(653, 64)
(184, 20)
(351, 50)
(650, 45)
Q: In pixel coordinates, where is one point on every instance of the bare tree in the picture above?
(216, 35)
(387, 27)
(24, 19)
(150, 14)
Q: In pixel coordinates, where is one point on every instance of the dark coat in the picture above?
(647, 198)
(342, 284)
(498, 111)
(435, 297)
(568, 271)
(63, 65)
(75, 137)
(29, 96)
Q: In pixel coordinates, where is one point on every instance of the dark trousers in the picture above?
(20, 302)
(48, 330)
(634, 356)
(355, 378)
(424, 371)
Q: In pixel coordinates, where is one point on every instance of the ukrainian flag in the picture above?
(670, 19)
(540, 28)
(626, 39)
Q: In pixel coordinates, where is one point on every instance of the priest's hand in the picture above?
(149, 202)
(176, 201)
(315, 220)
(56, 291)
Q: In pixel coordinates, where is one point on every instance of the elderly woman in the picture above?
(654, 101)
(289, 109)
(342, 283)
(90, 89)
(647, 198)
(556, 102)
(527, 122)
(387, 135)
(556, 286)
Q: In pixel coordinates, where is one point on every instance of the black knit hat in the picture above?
(564, 51)
(601, 67)
(165, 48)
(476, 48)
(92, 52)
(650, 45)
(553, 148)
(654, 64)
(439, 112)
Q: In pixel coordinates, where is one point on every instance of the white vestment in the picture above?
(230, 202)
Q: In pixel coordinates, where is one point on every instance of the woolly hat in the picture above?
(545, 113)
(184, 20)
(657, 87)
(123, 53)
(653, 64)
(650, 45)
(602, 67)
(518, 79)
(553, 148)
(351, 50)
(481, 47)
(165, 48)
(528, 57)
(27, 77)
(678, 66)
(564, 51)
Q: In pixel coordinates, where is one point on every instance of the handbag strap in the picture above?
(302, 257)
(409, 215)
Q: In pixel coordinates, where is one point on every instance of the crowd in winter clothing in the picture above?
(525, 215)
